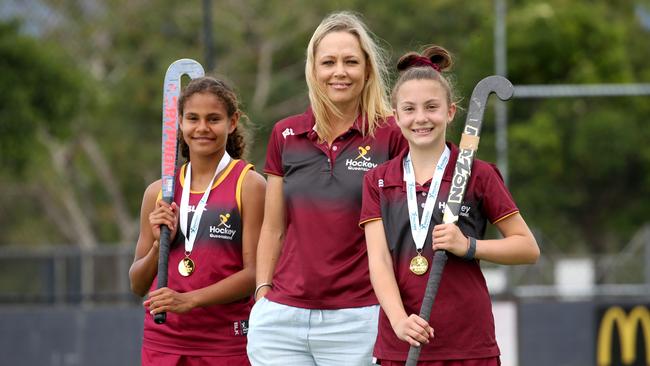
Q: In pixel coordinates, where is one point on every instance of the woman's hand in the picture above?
(414, 330)
(167, 300)
(449, 237)
(164, 214)
(261, 292)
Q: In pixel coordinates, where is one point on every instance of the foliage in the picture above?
(41, 95)
(581, 168)
(578, 166)
(39, 89)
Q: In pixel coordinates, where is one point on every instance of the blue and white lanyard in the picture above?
(419, 229)
(200, 207)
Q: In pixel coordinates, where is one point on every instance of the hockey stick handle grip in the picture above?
(439, 261)
(163, 264)
(171, 93)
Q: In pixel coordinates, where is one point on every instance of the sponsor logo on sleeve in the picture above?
(287, 132)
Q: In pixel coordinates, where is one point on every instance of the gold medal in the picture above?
(186, 266)
(419, 265)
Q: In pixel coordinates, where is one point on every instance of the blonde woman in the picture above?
(315, 304)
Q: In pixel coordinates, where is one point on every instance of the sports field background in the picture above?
(80, 122)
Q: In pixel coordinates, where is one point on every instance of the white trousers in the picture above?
(285, 335)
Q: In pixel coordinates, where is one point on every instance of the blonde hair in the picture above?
(373, 102)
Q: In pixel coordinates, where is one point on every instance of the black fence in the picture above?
(547, 333)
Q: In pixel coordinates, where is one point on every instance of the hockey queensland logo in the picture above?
(223, 230)
(632, 346)
(363, 161)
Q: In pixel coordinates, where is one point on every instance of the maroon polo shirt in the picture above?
(324, 264)
(462, 313)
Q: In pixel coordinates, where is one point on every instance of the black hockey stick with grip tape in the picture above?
(171, 93)
(469, 141)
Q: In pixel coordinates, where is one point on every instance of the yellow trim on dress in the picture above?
(240, 182)
(368, 220)
(222, 176)
(505, 217)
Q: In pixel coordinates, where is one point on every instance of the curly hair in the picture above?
(237, 140)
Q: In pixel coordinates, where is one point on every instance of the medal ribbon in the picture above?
(198, 212)
(419, 229)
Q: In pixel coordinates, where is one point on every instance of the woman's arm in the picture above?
(518, 245)
(153, 213)
(272, 235)
(236, 286)
(411, 329)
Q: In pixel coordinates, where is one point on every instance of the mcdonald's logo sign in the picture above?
(628, 326)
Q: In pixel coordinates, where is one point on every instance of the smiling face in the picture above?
(206, 125)
(340, 68)
(423, 112)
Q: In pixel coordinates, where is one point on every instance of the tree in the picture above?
(580, 166)
(40, 95)
(560, 176)
(39, 92)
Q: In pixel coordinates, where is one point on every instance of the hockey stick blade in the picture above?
(171, 93)
(469, 141)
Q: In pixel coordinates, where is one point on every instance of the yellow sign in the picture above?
(628, 325)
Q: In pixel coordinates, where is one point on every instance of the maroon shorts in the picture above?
(155, 358)
(492, 361)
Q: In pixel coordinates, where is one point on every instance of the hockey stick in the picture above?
(171, 93)
(468, 146)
